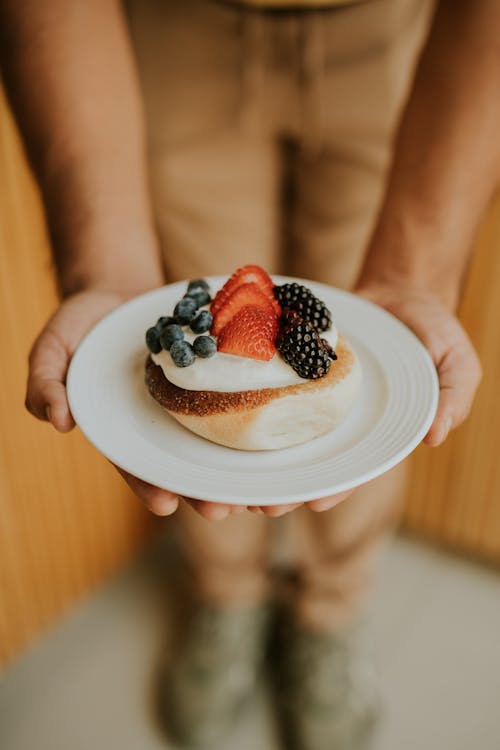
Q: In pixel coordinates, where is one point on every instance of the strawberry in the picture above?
(250, 333)
(244, 275)
(246, 294)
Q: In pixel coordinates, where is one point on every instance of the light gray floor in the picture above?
(89, 685)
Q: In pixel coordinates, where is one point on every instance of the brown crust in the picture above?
(207, 403)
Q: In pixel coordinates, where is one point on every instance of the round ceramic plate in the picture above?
(113, 408)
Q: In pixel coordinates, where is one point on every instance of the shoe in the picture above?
(326, 689)
(214, 674)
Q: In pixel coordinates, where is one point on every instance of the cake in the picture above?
(258, 367)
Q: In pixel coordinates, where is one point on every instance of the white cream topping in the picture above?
(227, 372)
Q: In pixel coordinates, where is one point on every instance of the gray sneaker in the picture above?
(326, 689)
(214, 673)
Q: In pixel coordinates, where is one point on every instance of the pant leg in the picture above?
(216, 197)
(338, 188)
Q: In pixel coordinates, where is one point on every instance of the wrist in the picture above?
(413, 265)
(126, 269)
(69, 286)
(386, 286)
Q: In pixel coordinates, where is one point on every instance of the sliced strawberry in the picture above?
(244, 275)
(250, 333)
(246, 294)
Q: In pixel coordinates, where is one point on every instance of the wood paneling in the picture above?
(455, 492)
(66, 518)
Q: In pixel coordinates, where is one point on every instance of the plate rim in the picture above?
(177, 487)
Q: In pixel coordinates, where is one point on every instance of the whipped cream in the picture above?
(227, 372)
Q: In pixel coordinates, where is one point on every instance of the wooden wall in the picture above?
(454, 497)
(67, 521)
(66, 518)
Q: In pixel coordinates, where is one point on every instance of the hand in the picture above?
(456, 360)
(164, 503)
(46, 395)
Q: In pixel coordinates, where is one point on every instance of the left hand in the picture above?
(457, 363)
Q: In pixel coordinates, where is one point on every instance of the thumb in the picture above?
(46, 391)
(52, 351)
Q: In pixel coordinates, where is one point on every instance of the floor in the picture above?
(89, 684)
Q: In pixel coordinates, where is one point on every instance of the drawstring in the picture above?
(311, 55)
(253, 73)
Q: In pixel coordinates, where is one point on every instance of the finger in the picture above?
(325, 503)
(158, 501)
(46, 393)
(209, 510)
(459, 377)
(275, 511)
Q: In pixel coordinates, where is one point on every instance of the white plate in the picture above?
(111, 405)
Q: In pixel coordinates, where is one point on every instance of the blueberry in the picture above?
(163, 322)
(184, 310)
(171, 333)
(204, 346)
(200, 296)
(153, 340)
(182, 353)
(201, 322)
(198, 284)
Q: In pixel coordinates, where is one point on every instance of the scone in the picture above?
(259, 367)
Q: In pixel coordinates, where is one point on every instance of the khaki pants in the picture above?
(269, 141)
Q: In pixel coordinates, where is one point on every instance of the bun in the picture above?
(268, 418)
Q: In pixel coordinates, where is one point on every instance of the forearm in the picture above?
(69, 72)
(446, 161)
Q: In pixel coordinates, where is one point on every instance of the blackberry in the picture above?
(301, 347)
(302, 300)
(329, 348)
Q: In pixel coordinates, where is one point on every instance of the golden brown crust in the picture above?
(208, 403)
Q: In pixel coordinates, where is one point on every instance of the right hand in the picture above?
(47, 400)
(49, 360)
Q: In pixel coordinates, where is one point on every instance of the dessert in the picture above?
(258, 367)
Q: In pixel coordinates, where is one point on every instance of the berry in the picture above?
(200, 296)
(182, 354)
(201, 322)
(153, 340)
(329, 348)
(185, 310)
(198, 284)
(245, 275)
(204, 346)
(199, 291)
(170, 334)
(250, 333)
(302, 300)
(301, 347)
(164, 321)
(246, 294)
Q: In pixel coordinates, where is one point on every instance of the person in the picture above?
(349, 142)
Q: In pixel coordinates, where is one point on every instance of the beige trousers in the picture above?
(269, 141)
